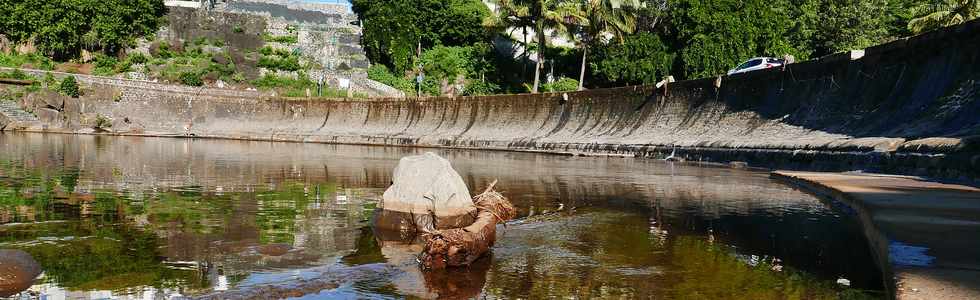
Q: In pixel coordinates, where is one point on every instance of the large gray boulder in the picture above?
(17, 271)
(423, 187)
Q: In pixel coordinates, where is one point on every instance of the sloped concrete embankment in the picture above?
(909, 107)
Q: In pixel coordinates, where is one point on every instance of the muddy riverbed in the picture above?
(129, 217)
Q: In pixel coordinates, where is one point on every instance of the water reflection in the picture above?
(146, 217)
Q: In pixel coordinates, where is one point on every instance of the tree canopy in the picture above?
(637, 41)
(393, 29)
(61, 28)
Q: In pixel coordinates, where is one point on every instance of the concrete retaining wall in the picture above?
(908, 107)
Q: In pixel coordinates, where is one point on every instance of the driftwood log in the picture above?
(459, 247)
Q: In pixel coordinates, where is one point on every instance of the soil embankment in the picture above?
(909, 107)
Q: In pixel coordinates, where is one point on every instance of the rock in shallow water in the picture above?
(17, 271)
(424, 186)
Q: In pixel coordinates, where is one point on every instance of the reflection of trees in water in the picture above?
(602, 254)
(86, 255)
(119, 240)
(709, 271)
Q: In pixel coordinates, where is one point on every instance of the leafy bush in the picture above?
(16, 74)
(102, 122)
(277, 52)
(290, 63)
(137, 58)
(69, 87)
(49, 80)
(191, 79)
(285, 39)
(105, 65)
(381, 74)
(290, 87)
(35, 60)
(480, 88)
(563, 84)
(161, 50)
(450, 63)
(641, 59)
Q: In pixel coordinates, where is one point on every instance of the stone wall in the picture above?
(908, 107)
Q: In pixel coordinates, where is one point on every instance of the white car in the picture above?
(757, 63)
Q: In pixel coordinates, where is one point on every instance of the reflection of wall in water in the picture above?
(529, 179)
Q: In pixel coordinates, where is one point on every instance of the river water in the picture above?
(153, 218)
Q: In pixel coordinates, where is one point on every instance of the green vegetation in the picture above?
(69, 87)
(642, 59)
(33, 61)
(394, 29)
(944, 13)
(381, 74)
(17, 74)
(563, 84)
(621, 42)
(62, 28)
(712, 271)
(285, 39)
(295, 87)
(278, 59)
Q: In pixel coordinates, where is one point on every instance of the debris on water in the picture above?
(459, 247)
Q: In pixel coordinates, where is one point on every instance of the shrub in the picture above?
(137, 58)
(49, 80)
(276, 62)
(17, 74)
(381, 74)
(191, 79)
(285, 39)
(102, 122)
(479, 88)
(35, 60)
(563, 84)
(161, 50)
(69, 87)
(105, 65)
(238, 29)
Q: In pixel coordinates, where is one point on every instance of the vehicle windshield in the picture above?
(749, 64)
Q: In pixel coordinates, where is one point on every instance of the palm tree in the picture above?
(513, 15)
(946, 13)
(554, 15)
(615, 17)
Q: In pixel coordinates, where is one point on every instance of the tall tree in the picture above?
(513, 15)
(393, 29)
(713, 36)
(614, 17)
(62, 28)
(556, 16)
(943, 14)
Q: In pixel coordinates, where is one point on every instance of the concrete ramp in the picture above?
(925, 233)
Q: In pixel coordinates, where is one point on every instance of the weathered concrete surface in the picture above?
(906, 107)
(927, 234)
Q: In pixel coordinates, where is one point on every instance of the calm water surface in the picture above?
(155, 218)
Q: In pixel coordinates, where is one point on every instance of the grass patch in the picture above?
(33, 60)
(285, 39)
(290, 87)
